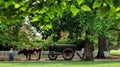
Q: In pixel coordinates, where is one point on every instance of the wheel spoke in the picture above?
(68, 54)
(52, 55)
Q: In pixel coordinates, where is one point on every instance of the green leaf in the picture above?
(24, 15)
(118, 14)
(63, 5)
(104, 10)
(59, 11)
(80, 1)
(47, 27)
(74, 10)
(118, 9)
(51, 15)
(17, 5)
(46, 19)
(97, 3)
(112, 11)
(7, 4)
(35, 18)
(85, 8)
(44, 9)
(23, 9)
(104, 4)
(1, 1)
(52, 11)
(116, 3)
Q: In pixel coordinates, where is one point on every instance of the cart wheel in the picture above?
(68, 53)
(52, 55)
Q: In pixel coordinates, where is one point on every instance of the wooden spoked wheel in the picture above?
(52, 55)
(68, 53)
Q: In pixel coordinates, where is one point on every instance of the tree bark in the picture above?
(118, 40)
(88, 51)
(101, 47)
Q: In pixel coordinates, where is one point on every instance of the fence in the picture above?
(5, 54)
(44, 54)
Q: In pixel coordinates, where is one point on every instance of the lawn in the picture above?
(61, 64)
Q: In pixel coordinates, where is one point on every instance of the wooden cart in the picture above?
(67, 51)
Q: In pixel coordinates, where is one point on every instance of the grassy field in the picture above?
(61, 64)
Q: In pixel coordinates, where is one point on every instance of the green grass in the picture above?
(115, 52)
(61, 64)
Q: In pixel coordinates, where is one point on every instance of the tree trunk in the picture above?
(108, 43)
(118, 40)
(101, 47)
(88, 48)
